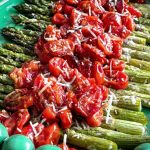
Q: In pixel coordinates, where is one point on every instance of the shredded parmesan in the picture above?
(33, 128)
(65, 142)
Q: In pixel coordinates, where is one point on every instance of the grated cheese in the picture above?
(33, 128)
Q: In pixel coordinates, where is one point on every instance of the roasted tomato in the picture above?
(49, 135)
(59, 19)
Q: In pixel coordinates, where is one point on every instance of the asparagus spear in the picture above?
(123, 140)
(2, 96)
(143, 21)
(125, 114)
(142, 28)
(18, 49)
(144, 65)
(128, 102)
(134, 46)
(6, 68)
(143, 35)
(138, 87)
(9, 61)
(125, 126)
(89, 142)
(38, 2)
(38, 17)
(5, 79)
(137, 75)
(136, 54)
(20, 39)
(6, 88)
(17, 56)
(145, 98)
(26, 8)
(137, 40)
(35, 2)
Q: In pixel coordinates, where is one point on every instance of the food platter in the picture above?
(6, 10)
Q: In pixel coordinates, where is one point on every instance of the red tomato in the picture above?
(59, 19)
(66, 118)
(19, 99)
(96, 119)
(105, 92)
(49, 135)
(72, 2)
(49, 114)
(59, 48)
(58, 7)
(98, 73)
(111, 19)
(3, 115)
(67, 9)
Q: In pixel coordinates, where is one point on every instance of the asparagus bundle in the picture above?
(125, 126)
(5, 68)
(138, 40)
(142, 28)
(2, 96)
(123, 140)
(4, 79)
(89, 142)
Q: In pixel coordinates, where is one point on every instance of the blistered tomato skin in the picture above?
(48, 147)
(3, 133)
(18, 142)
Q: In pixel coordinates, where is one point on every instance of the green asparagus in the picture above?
(129, 115)
(143, 35)
(2, 96)
(144, 65)
(137, 75)
(136, 54)
(89, 142)
(134, 46)
(145, 98)
(143, 21)
(5, 79)
(29, 8)
(125, 126)
(6, 88)
(128, 102)
(123, 140)
(9, 61)
(142, 28)
(6, 68)
(138, 87)
(17, 56)
(18, 49)
(137, 40)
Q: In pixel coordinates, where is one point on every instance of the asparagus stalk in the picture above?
(142, 28)
(6, 88)
(134, 46)
(123, 140)
(145, 98)
(26, 8)
(4, 79)
(35, 2)
(6, 68)
(38, 17)
(125, 126)
(137, 75)
(143, 35)
(89, 142)
(17, 56)
(144, 65)
(18, 49)
(137, 40)
(9, 61)
(143, 21)
(2, 96)
(138, 87)
(125, 114)
(136, 54)
(19, 38)
(128, 102)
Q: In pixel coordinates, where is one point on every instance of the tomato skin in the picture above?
(116, 79)
(49, 135)
(98, 73)
(3, 115)
(66, 118)
(49, 114)
(72, 2)
(67, 9)
(96, 119)
(58, 8)
(59, 19)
